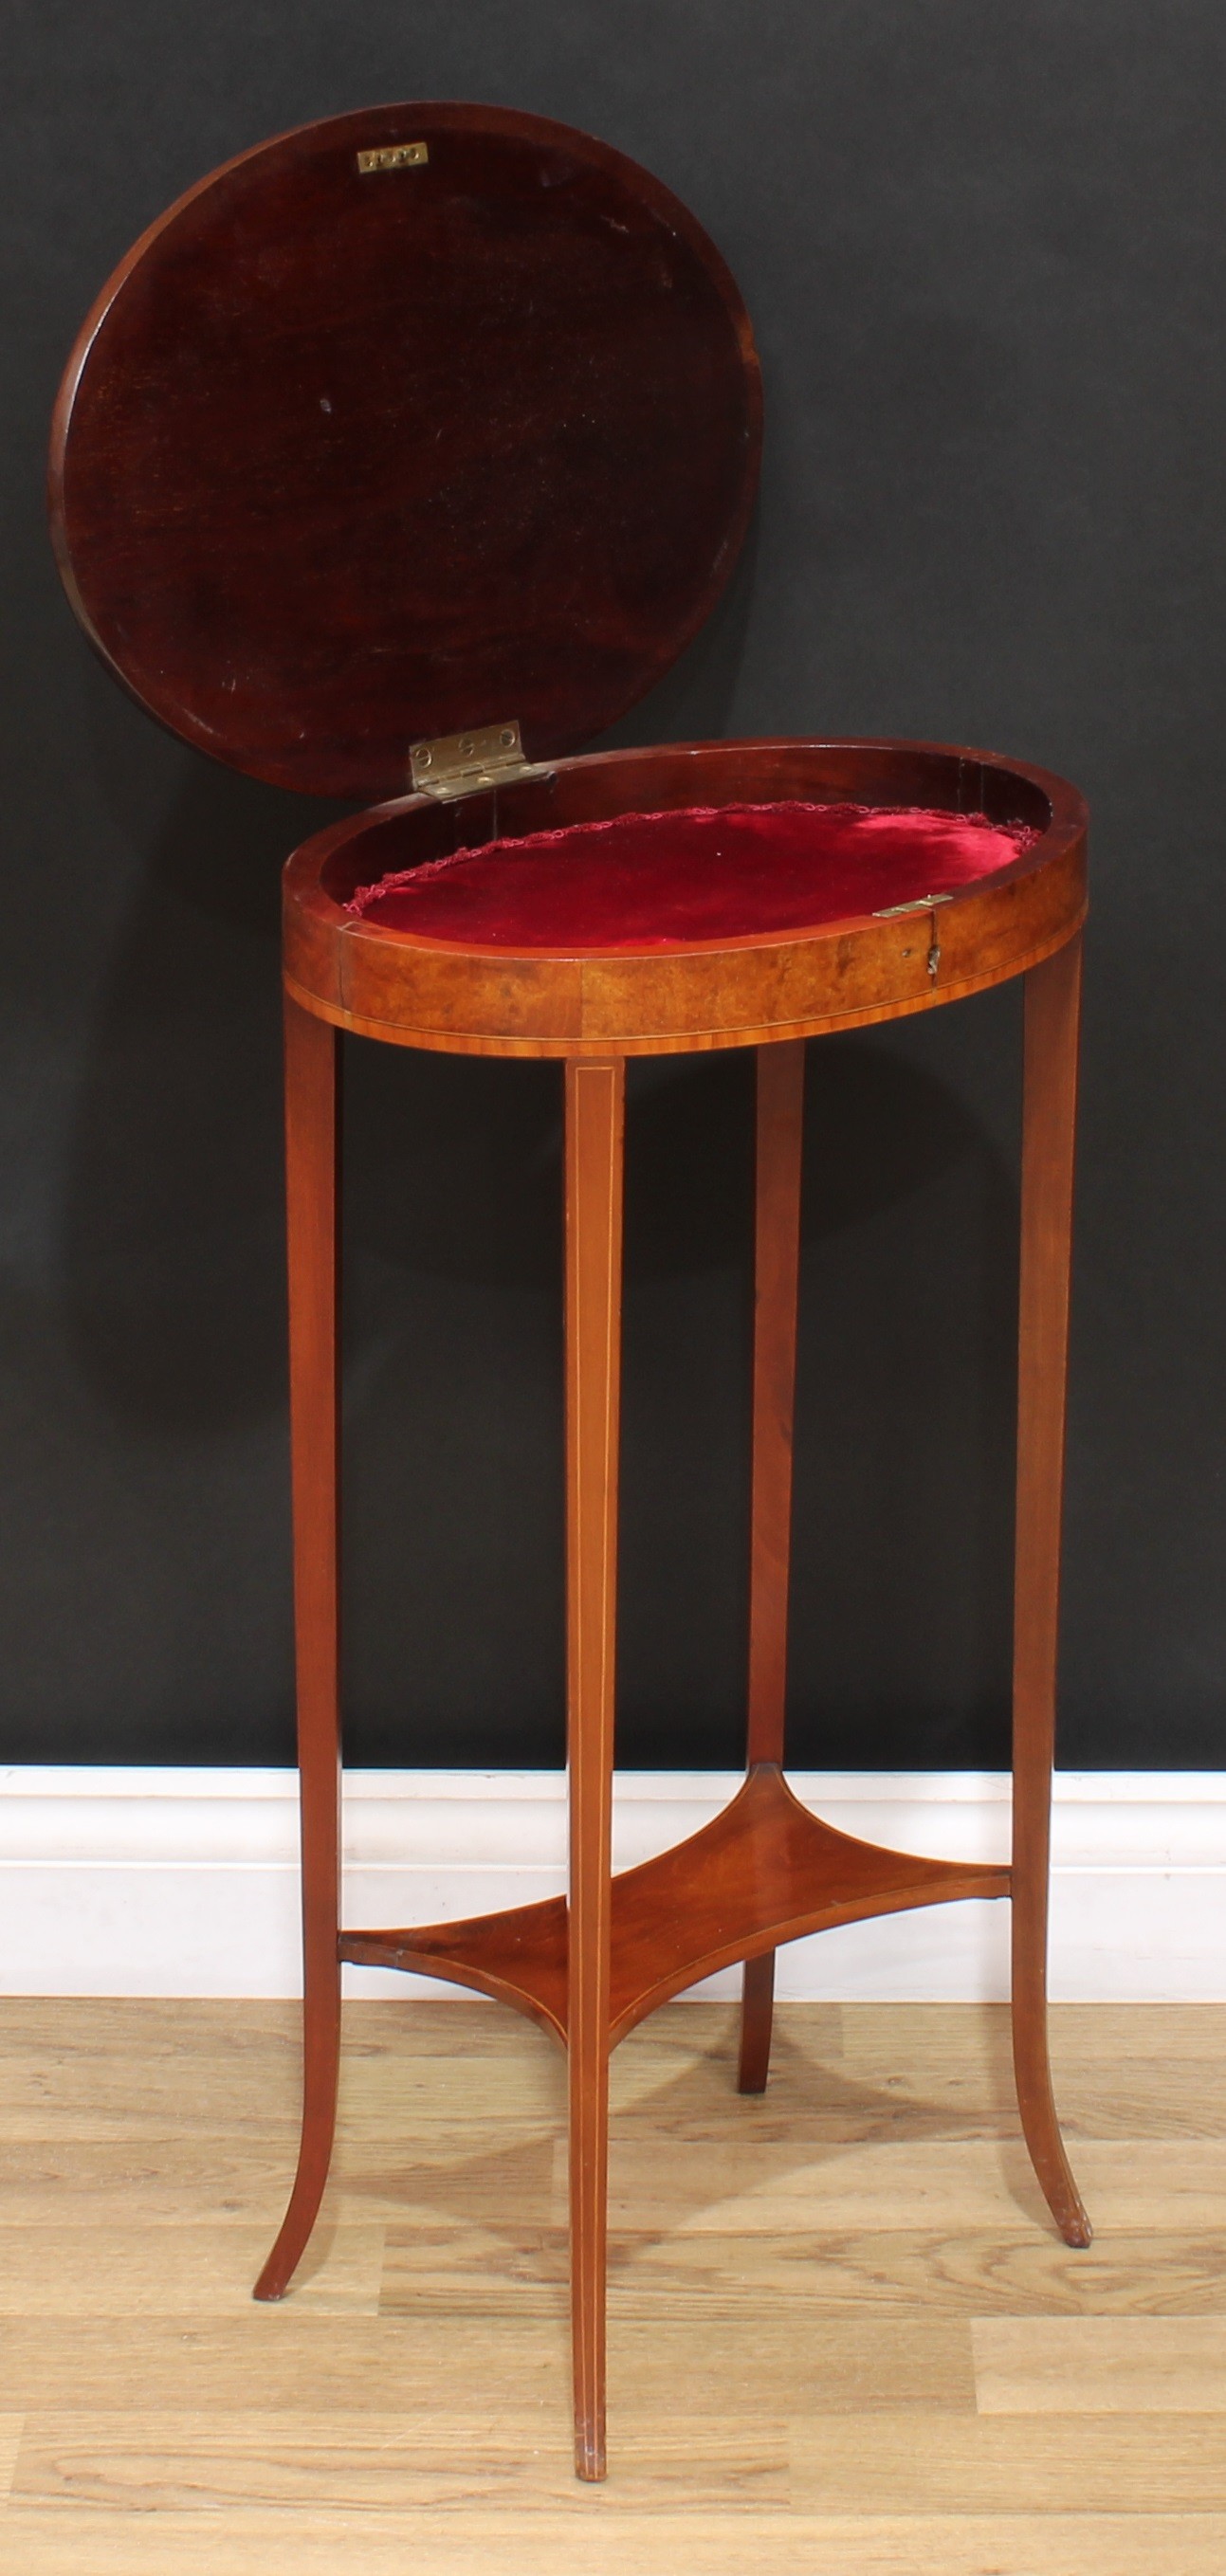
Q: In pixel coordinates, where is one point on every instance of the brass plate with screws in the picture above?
(457, 763)
(394, 156)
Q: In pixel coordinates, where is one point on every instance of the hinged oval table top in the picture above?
(428, 416)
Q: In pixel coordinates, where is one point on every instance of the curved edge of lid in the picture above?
(74, 369)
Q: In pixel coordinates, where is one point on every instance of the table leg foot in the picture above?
(321, 2064)
(591, 2463)
(1040, 2126)
(589, 2121)
(757, 2015)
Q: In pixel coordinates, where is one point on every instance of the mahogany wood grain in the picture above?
(312, 1139)
(762, 1872)
(383, 983)
(595, 1120)
(1053, 1007)
(344, 460)
(780, 1137)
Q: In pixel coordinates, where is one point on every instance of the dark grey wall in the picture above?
(982, 247)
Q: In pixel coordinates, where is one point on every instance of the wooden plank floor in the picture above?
(843, 2335)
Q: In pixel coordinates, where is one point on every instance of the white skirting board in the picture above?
(185, 1882)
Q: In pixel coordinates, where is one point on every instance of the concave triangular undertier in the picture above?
(763, 1872)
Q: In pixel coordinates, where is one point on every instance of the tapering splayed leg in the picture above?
(595, 1101)
(780, 1129)
(1053, 999)
(311, 1130)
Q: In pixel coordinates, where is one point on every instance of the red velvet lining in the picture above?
(704, 872)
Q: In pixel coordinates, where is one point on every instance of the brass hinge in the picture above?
(456, 764)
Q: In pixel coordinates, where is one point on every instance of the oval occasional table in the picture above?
(413, 447)
(589, 1967)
